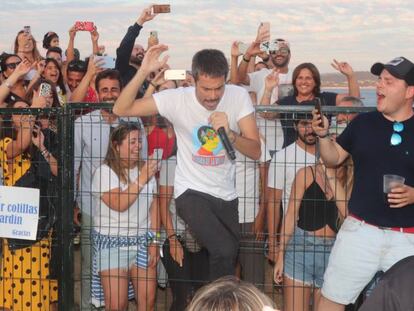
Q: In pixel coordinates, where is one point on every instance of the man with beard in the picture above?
(282, 172)
(204, 187)
(91, 144)
(280, 58)
(130, 56)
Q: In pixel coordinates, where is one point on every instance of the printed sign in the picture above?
(19, 212)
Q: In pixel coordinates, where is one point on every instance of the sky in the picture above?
(356, 31)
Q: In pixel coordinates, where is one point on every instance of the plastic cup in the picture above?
(392, 181)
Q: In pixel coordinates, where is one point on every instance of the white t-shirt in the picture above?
(202, 162)
(132, 222)
(247, 184)
(270, 129)
(284, 166)
(167, 176)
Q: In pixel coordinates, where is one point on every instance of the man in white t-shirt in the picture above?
(251, 181)
(270, 128)
(206, 198)
(90, 146)
(282, 171)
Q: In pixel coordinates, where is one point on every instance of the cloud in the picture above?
(359, 31)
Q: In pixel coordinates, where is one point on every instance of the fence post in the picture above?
(65, 210)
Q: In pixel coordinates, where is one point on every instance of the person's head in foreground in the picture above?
(230, 294)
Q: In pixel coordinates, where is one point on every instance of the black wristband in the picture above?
(246, 60)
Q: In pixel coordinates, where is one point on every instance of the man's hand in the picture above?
(320, 124)
(258, 227)
(235, 52)
(23, 68)
(253, 49)
(95, 34)
(72, 32)
(219, 119)
(176, 250)
(94, 66)
(272, 80)
(343, 67)
(151, 60)
(401, 196)
(145, 16)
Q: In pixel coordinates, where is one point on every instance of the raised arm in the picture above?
(5, 88)
(235, 53)
(348, 72)
(93, 68)
(252, 51)
(70, 51)
(123, 52)
(94, 39)
(126, 105)
(331, 152)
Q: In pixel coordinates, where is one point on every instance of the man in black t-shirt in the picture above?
(379, 230)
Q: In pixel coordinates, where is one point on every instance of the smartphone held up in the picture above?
(161, 8)
(174, 74)
(84, 26)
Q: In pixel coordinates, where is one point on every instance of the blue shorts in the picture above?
(306, 257)
(118, 252)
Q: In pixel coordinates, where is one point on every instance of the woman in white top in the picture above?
(125, 221)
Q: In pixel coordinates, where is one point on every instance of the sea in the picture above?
(368, 95)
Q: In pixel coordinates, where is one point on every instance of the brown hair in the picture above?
(315, 74)
(35, 52)
(112, 158)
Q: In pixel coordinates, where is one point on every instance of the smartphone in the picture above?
(157, 154)
(45, 89)
(172, 74)
(108, 61)
(264, 32)
(27, 30)
(154, 34)
(318, 106)
(84, 26)
(161, 8)
(243, 47)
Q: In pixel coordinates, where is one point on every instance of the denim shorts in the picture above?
(306, 257)
(359, 252)
(120, 252)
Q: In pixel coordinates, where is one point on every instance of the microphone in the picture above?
(226, 143)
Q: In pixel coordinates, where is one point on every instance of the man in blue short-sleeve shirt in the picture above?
(379, 230)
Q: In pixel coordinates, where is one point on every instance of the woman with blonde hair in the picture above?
(317, 206)
(25, 47)
(230, 294)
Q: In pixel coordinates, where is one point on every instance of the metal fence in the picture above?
(69, 187)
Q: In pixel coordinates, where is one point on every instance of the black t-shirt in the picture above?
(286, 119)
(367, 139)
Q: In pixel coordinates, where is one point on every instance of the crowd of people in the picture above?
(305, 191)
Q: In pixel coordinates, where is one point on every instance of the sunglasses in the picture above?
(12, 65)
(78, 66)
(282, 51)
(396, 138)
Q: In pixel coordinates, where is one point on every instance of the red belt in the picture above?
(398, 229)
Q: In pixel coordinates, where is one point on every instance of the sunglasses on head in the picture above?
(13, 65)
(396, 138)
(77, 66)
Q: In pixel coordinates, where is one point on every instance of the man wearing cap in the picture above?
(280, 58)
(379, 230)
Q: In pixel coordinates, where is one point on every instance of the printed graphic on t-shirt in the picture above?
(208, 149)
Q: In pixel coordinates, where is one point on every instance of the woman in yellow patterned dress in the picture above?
(24, 281)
